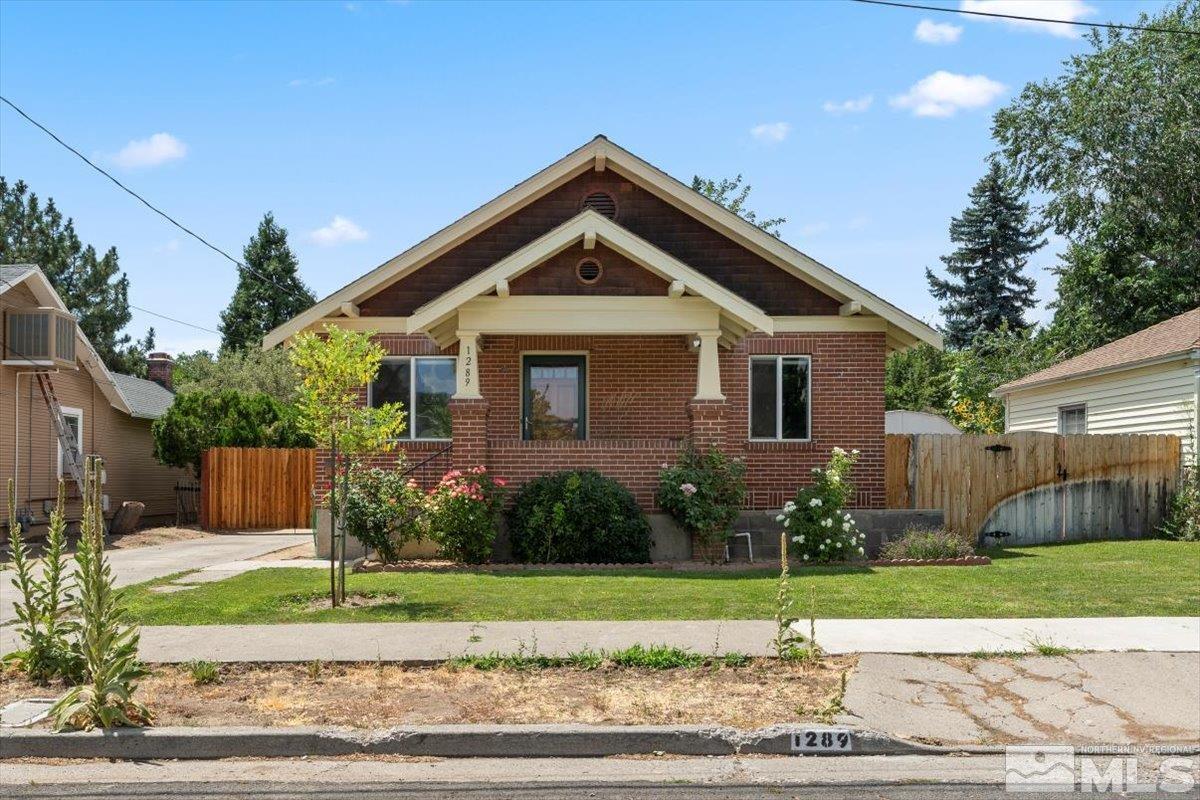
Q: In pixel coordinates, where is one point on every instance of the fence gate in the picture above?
(1037, 487)
(256, 487)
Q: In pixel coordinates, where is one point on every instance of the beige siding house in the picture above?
(1148, 382)
(109, 414)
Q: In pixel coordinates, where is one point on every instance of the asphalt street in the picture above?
(492, 791)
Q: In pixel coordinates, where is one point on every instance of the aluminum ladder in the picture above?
(72, 458)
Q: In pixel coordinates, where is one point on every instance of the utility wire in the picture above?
(172, 319)
(150, 205)
(1113, 25)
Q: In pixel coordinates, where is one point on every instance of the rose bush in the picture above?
(384, 510)
(464, 514)
(703, 492)
(818, 528)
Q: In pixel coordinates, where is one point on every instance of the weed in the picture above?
(735, 660)
(788, 644)
(203, 673)
(836, 704)
(315, 668)
(656, 656)
(1046, 647)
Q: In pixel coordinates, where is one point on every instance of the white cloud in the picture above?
(297, 82)
(1068, 10)
(170, 246)
(853, 106)
(942, 94)
(813, 228)
(158, 149)
(339, 231)
(931, 32)
(772, 132)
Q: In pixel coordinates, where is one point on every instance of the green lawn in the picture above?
(1133, 578)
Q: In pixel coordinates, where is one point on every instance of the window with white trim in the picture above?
(1072, 419)
(780, 398)
(421, 383)
(74, 420)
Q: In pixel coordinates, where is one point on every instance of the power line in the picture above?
(172, 319)
(1113, 25)
(150, 205)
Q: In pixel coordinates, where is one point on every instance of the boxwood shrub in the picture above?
(577, 517)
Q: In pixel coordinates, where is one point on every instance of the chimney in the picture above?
(158, 369)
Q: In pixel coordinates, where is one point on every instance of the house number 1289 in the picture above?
(818, 740)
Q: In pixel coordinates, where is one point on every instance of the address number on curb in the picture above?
(822, 740)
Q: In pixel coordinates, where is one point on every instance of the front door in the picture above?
(554, 405)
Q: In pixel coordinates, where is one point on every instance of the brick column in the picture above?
(468, 420)
(708, 423)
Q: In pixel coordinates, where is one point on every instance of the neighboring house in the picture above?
(601, 314)
(1148, 382)
(917, 422)
(108, 414)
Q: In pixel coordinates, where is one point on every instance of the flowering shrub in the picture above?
(703, 492)
(384, 509)
(819, 529)
(464, 514)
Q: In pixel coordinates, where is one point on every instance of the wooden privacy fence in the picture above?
(1037, 487)
(256, 487)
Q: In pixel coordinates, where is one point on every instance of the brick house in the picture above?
(602, 314)
(106, 413)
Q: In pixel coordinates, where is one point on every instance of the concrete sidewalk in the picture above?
(139, 564)
(432, 641)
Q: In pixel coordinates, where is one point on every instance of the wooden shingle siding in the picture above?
(752, 277)
(1154, 399)
(621, 276)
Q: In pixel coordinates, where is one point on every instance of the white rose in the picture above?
(787, 522)
(779, 517)
(860, 551)
(845, 526)
(806, 556)
(799, 539)
(815, 503)
(822, 547)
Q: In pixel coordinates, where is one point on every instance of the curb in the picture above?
(486, 741)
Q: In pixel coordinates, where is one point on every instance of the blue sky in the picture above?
(366, 126)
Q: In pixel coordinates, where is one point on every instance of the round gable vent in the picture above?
(588, 271)
(602, 203)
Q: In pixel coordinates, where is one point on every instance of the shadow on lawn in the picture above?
(686, 575)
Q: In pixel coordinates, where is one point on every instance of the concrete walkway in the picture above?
(1081, 698)
(139, 564)
(431, 641)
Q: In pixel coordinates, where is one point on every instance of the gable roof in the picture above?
(146, 399)
(589, 224)
(600, 154)
(1171, 337)
(13, 275)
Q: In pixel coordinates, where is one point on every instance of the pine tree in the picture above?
(987, 287)
(267, 297)
(92, 286)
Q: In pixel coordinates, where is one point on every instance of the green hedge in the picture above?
(577, 517)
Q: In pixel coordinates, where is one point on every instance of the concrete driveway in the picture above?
(1082, 698)
(140, 564)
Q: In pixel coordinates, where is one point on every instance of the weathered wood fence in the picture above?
(256, 487)
(1037, 487)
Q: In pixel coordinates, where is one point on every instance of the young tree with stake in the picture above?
(333, 367)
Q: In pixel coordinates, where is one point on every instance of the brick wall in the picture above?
(640, 411)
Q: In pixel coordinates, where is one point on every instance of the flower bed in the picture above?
(964, 561)
(663, 566)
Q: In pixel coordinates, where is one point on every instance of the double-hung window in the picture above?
(780, 398)
(74, 420)
(423, 385)
(1072, 419)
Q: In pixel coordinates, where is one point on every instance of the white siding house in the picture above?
(1148, 382)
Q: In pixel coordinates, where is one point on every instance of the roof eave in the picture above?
(1190, 353)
